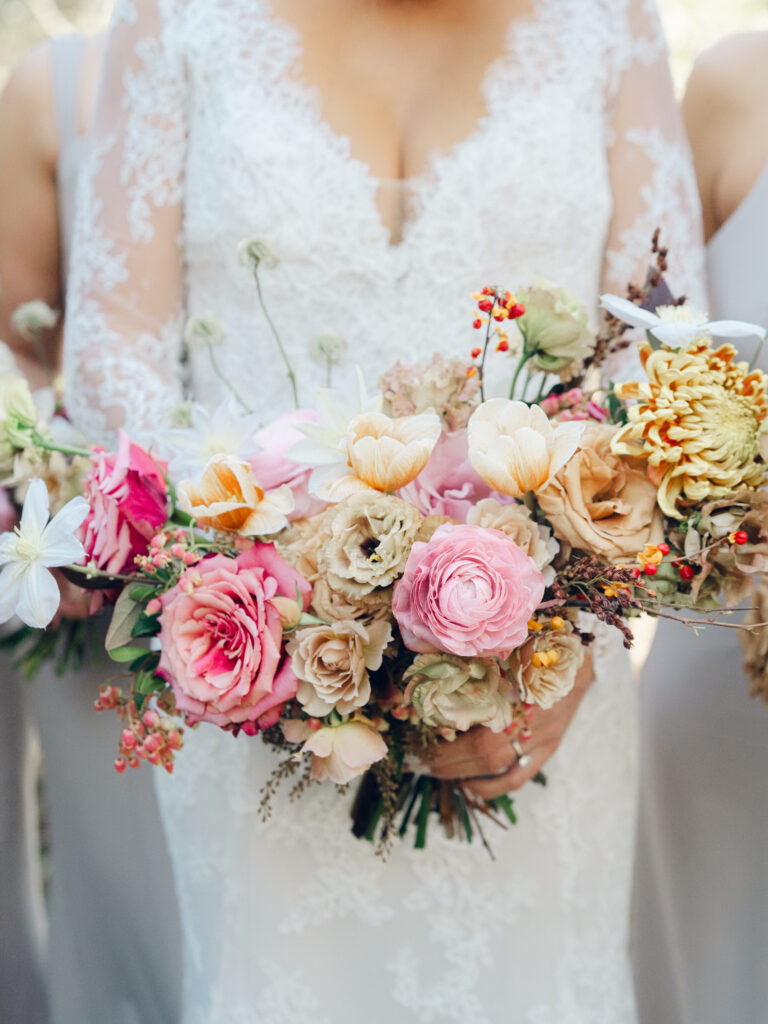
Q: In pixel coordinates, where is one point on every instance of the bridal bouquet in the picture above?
(355, 583)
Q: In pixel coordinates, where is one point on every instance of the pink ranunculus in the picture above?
(448, 485)
(272, 469)
(222, 639)
(127, 494)
(470, 591)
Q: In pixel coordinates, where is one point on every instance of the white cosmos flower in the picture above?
(677, 325)
(515, 448)
(225, 431)
(27, 588)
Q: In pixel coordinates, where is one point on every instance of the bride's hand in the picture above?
(488, 761)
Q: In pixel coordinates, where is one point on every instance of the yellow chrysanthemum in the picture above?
(697, 421)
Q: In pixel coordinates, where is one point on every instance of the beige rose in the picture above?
(331, 605)
(301, 544)
(545, 668)
(371, 536)
(228, 497)
(603, 503)
(518, 524)
(454, 694)
(332, 664)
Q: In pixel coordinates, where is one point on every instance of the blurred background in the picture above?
(692, 25)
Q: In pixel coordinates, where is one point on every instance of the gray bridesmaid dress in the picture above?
(701, 893)
(114, 944)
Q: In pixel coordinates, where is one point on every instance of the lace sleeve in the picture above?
(122, 353)
(651, 171)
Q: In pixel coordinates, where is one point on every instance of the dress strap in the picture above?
(67, 61)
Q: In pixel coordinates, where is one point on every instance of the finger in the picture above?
(484, 753)
(513, 779)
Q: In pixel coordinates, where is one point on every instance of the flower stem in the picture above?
(226, 382)
(523, 360)
(265, 311)
(97, 574)
(66, 449)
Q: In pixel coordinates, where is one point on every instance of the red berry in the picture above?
(686, 572)
(503, 346)
(518, 309)
(487, 291)
(636, 573)
(477, 323)
(740, 537)
(120, 765)
(650, 569)
(476, 352)
(664, 548)
(485, 305)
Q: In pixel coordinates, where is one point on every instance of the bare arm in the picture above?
(29, 216)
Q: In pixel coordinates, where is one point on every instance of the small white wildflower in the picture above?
(254, 251)
(202, 331)
(328, 348)
(32, 317)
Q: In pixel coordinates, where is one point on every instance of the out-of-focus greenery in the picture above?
(692, 25)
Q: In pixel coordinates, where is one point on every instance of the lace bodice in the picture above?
(206, 133)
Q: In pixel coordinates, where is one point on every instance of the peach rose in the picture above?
(229, 498)
(340, 753)
(603, 503)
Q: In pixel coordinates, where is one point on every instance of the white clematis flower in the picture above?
(225, 431)
(515, 448)
(27, 588)
(676, 325)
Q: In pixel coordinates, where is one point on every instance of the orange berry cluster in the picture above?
(498, 307)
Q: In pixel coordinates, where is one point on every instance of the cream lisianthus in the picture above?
(546, 667)
(454, 694)
(228, 497)
(27, 588)
(677, 325)
(515, 448)
(358, 449)
(697, 420)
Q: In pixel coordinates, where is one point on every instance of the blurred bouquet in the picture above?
(358, 582)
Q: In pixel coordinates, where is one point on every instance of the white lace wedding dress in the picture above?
(207, 135)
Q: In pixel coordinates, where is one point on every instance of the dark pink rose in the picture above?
(470, 591)
(448, 485)
(127, 494)
(272, 469)
(222, 639)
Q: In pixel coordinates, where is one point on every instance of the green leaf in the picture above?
(147, 625)
(425, 787)
(147, 663)
(124, 654)
(409, 811)
(503, 803)
(124, 617)
(461, 807)
(142, 592)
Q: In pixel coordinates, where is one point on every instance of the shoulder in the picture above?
(729, 75)
(27, 116)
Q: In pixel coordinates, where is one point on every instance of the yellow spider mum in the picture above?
(697, 421)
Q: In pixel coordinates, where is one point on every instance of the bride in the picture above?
(390, 156)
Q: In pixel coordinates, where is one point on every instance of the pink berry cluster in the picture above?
(164, 548)
(151, 735)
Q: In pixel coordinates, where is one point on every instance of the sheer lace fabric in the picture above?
(205, 135)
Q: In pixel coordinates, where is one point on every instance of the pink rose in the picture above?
(470, 591)
(272, 469)
(127, 494)
(448, 485)
(222, 638)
